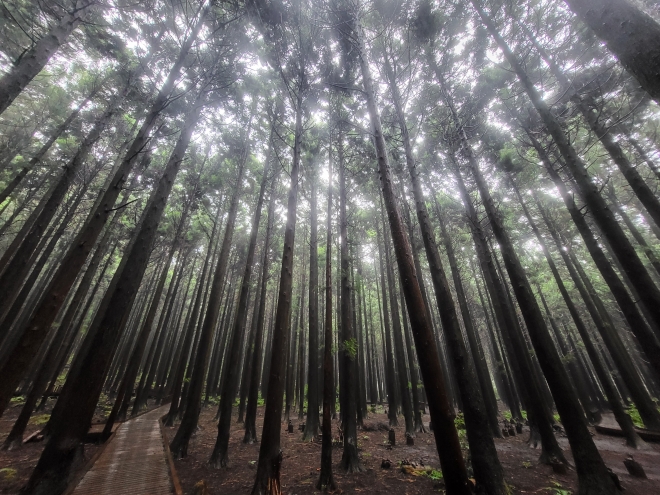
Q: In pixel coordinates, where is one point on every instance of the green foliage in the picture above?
(8, 473)
(17, 401)
(557, 489)
(351, 347)
(434, 474)
(556, 418)
(526, 464)
(40, 419)
(459, 421)
(634, 415)
(507, 415)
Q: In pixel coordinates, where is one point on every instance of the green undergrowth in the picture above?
(8, 473)
(634, 415)
(40, 419)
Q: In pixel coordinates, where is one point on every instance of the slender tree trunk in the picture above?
(31, 62)
(179, 445)
(14, 273)
(55, 294)
(592, 472)
(603, 216)
(180, 365)
(220, 455)
(629, 33)
(622, 418)
(326, 479)
(446, 436)
(481, 368)
(488, 470)
(312, 420)
(638, 325)
(390, 378)
(38, 156)
(399, 348)
(511, 335)
(348, 348)
(128, 380)
(257, 360)
(267, 480)
(81, 391)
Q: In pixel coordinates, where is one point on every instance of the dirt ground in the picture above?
(17, 465)
(301, 461)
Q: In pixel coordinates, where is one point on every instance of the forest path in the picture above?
(133, 463)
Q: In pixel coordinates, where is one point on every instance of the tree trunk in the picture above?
(637, 323)
(312, 419)
(13, 183)
(444, 430)
(631, 35)
(179, 445)
(350, 462)
(31, 62)
(326, 480)
(481, 367)
(267, 480)
(399, 349)
(14, 273)
(180, 365)
(257, 360)
(488, 470)
(390, 378)
(55, 294)
(220, 455)
(632, 439)
(81, 392)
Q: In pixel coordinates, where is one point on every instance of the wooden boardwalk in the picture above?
(133, 463)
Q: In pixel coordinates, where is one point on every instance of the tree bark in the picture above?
(312, 419)
(348, 348)
(326, 479)
(444, 430)
(81, 392)
(631, 35)
(267, 480)
(31, 63)
(55, 294)
(179, 444)
(220, 455)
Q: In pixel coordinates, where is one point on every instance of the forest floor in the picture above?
(17, 465)
(301, 461)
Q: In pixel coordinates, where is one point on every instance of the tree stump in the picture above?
(386, 464)
(519, 428)
(512, 431)
(391, 437)
(634, 468)
(409, 439)
(290, 428)
(505, 433)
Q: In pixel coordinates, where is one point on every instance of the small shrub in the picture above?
(434, 474)
(459, 421)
